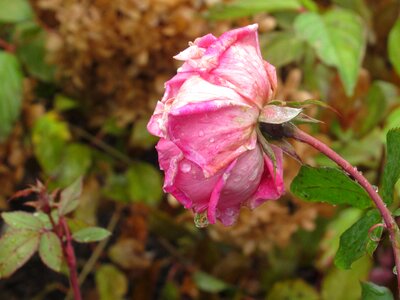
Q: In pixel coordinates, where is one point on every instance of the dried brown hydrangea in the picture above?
(116, 55)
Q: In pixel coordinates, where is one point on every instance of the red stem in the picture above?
(390, 223)
(69, 254)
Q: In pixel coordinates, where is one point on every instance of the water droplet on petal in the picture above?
(201, 133)
(201, 220)
(230, 212)
(375, 188)
(212, 140)
(394, 270)
(185, 167)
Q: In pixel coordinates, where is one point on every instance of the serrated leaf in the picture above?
(354, 241)
(283, 48)
(44, 218)
(10, 92)
(394, 46)
(22, 220)
(391, 172)
(293, 290)
(111, 283)
(209, 283)
(50, 250)
(329, 185)
(16, 248)
(243, 8)
(91, 234)
(145, 183)
(339, 39)
(14, 11)
(30, 41)
(69, 197)
(372, 291)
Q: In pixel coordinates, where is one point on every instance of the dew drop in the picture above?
(230, 212)
(201, 220)
(185, 168)
(394, 270)
(375, 188)
(201, 133)
(212, 140)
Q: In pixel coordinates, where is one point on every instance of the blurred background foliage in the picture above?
(78, 82)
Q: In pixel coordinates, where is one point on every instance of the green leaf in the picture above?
(354, 241)
(371, 291)
(244, 8)
(10, 92)
(170, 291)
(140, 135)
(49, 137)
(116, 188)
(293, 290)
(283, 48)
(209, 283)
(44, 218)
(391, 173)
(69, 197)
(358, 6)
(376, 104)
(60, 160)
(309, 5)
(144, 183)
(392, 120)
(91, 234)
(16, 247)
(63, 103)
(394, 46)
(337, 226)
(111, 283)
(76, 160)
(75, 225)
(22, 220)
(345, 284)
(50, 250)
(14, 11)
(329, 185)
(339, 39)
(30, 41)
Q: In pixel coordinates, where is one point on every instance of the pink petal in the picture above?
(242, 183)
(157, 123)
(211, 124)
(184, 179)
(240, 64)
(271, 185)
(196, 49)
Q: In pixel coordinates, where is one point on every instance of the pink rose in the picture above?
(207, 122)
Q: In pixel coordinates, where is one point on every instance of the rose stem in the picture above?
(390, 223)
(69, 254)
